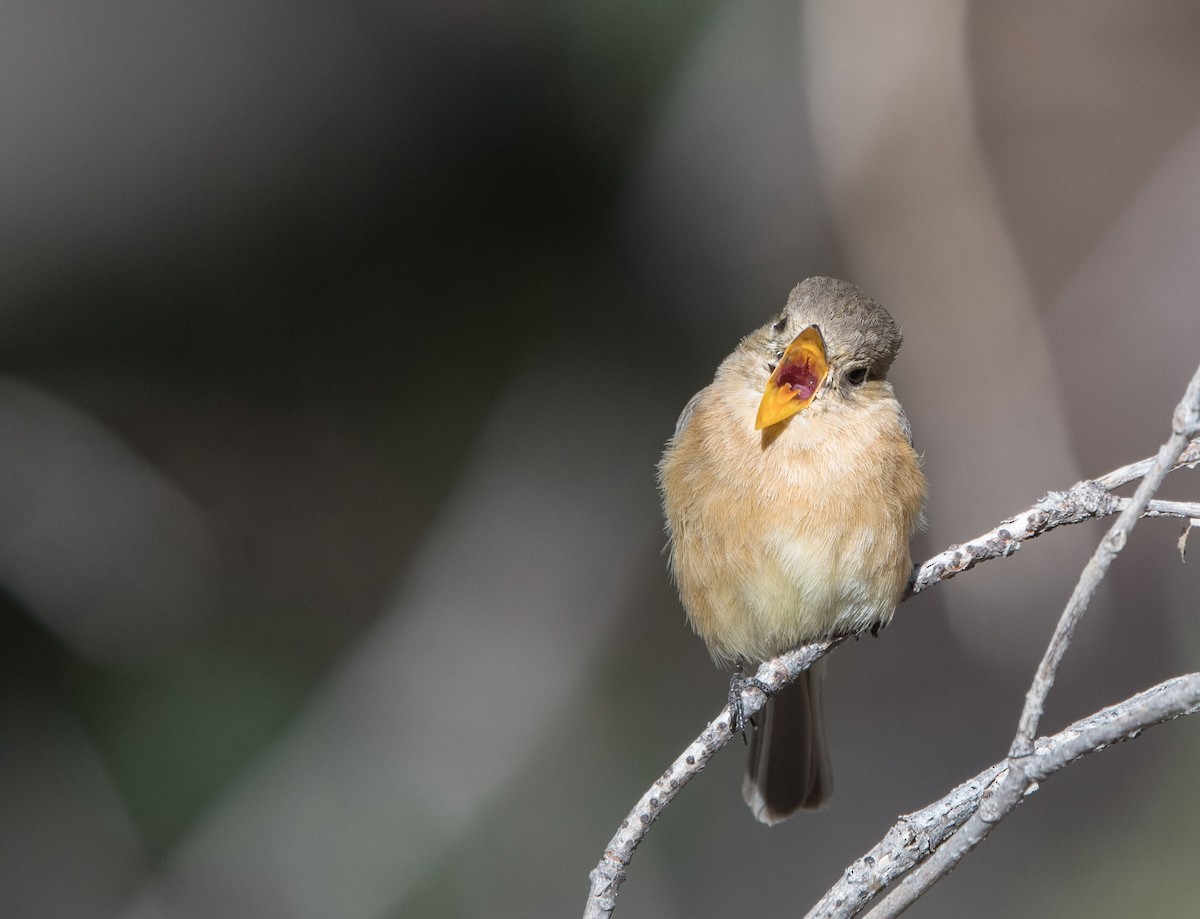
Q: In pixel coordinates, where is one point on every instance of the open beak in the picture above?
(796, 380)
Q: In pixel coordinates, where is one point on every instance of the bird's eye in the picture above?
(855, 376)
(780, 324)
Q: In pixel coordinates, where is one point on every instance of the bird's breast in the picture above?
(783, 537)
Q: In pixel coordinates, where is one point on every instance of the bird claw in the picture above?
(738, 719)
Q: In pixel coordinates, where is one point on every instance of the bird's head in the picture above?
(830, 341)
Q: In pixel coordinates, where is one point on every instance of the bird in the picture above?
(790, 490)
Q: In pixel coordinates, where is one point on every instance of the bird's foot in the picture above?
(738, 719)
(874, 628)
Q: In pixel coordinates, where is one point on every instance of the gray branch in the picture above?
(607, 876)
(1020, 777)
(1087, 500)
(915, 835)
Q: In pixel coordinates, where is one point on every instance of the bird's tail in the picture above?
(789, 760)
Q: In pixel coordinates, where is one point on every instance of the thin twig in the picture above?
(607, 876)
(1086, 500)
(1186, 509)
(1186, 424)
(1019, 778)
(1118, 477)
(915, 835)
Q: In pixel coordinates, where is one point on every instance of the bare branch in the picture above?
(1186, 424)
(915, 835)
(1087, 500)
(1188, 510)
(1020, 777)
(1118, 477)
(607, 876)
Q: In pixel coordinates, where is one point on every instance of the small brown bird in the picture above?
(791, 490)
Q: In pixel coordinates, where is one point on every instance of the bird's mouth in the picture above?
(795, 381)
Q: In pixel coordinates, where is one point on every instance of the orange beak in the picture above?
(796, 380)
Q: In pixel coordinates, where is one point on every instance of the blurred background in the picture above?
(340, 341)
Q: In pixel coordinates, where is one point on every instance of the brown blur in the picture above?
(339, 344)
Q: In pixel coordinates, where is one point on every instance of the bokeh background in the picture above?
(340, 339)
